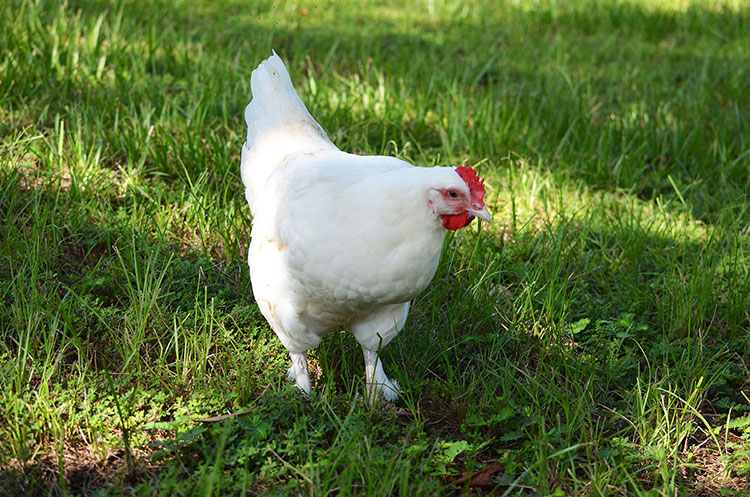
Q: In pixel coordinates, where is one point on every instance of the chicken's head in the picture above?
(458, 205)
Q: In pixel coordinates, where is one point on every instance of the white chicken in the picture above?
(340, 240)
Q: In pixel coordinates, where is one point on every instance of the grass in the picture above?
(593, 340)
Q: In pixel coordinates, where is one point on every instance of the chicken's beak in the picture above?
(481, 213)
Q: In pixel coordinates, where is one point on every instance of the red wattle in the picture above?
(456, 221)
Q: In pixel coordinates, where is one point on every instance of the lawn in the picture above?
(594, 339)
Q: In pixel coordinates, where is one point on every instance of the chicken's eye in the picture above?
(452, 194)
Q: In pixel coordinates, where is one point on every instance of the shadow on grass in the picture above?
(74, 303)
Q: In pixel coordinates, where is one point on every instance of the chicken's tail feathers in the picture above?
(276, 107)
(278, 124)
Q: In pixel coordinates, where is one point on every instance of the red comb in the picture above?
(476, 184)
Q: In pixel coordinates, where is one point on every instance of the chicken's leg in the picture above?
(376, 380)
(298, 371)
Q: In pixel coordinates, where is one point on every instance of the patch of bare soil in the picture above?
(712, 476)
(83, 473)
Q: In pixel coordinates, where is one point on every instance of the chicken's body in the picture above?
(338, 240)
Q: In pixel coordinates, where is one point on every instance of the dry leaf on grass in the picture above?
(481, 478)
